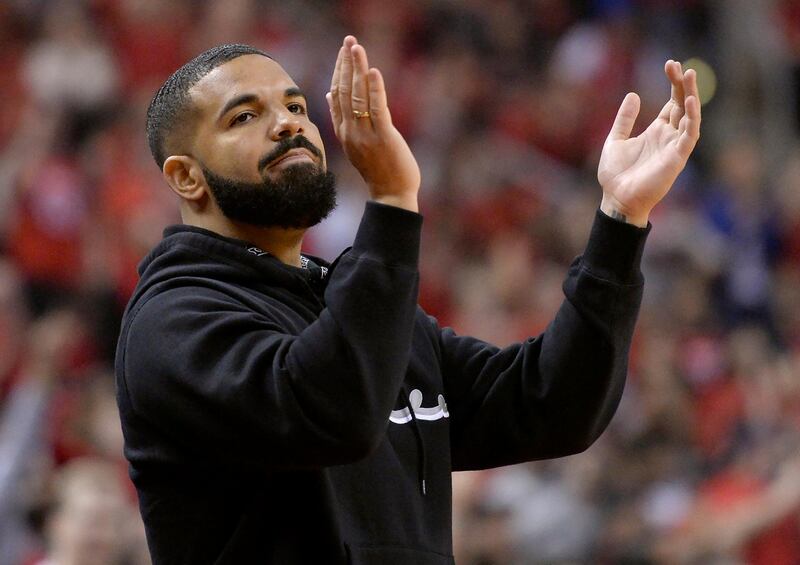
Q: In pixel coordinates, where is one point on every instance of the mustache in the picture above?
(287, 144)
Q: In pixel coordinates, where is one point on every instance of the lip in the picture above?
(292, 156)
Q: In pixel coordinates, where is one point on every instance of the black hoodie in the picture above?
(275, 414)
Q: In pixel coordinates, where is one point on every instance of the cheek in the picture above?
(236, 157)
(244, 162)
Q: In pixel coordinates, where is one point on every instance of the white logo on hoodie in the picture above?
(415, 403)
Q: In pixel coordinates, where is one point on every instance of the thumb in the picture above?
(626, 116)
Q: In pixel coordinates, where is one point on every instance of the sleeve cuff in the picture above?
(389, 234)
(614, 250)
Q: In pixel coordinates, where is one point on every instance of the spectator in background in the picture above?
(70, 68)
(28, 383)
(740, 212)
(89, 522)
(80, 204)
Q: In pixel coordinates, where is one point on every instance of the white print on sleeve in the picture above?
(415, 401)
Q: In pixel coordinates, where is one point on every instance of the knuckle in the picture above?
(358, 142)
(360, 145)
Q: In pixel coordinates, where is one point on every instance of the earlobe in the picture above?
(184, 177)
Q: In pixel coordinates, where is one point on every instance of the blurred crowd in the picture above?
(506, 104)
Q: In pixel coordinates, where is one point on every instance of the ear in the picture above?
(185, 177)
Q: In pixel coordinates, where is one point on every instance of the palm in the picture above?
(640, 170)
(636, 172)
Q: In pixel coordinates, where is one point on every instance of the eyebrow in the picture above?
(292, 92)
(238, 101)
(249, 98)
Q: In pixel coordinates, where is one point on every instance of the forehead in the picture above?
(248, 74)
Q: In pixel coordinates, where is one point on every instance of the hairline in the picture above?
(162, 131)
(191, 110)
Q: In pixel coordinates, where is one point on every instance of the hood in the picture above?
(188, 253)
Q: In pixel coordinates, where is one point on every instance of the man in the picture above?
(280, 410)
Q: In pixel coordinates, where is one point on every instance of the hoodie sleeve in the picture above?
(552, 395)
(223, 383)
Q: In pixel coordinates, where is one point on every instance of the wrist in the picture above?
(611, 207)
(407, 202)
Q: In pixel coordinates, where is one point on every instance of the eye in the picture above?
(242, 118)
(296, 108)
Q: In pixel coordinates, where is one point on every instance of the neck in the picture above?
(283, 243)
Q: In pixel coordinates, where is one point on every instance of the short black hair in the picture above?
(171, 99)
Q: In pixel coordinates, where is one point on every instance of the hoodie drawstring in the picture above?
(421, 457)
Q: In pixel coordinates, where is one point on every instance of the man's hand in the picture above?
(636, 172)
(371, 142)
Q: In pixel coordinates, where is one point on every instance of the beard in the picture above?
(302, 197)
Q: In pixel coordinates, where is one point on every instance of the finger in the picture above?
(336, 113)
(333, 100)
(675, 75)
(360, 96)
(691, 129)
(665, 110)
(690, 87)
(626, 117)
(378, 106)
(337, 69)
(691, 90)
(346, 79)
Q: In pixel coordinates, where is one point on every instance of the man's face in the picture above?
(262, 157)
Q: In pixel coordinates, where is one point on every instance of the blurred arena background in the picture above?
(506, 104)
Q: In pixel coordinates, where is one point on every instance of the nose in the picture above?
(287, 124)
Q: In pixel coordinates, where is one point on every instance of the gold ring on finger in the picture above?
(359, 114)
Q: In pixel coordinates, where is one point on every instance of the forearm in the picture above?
(584, 358)
(372, 300)
(553, 395)
(282, 396)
